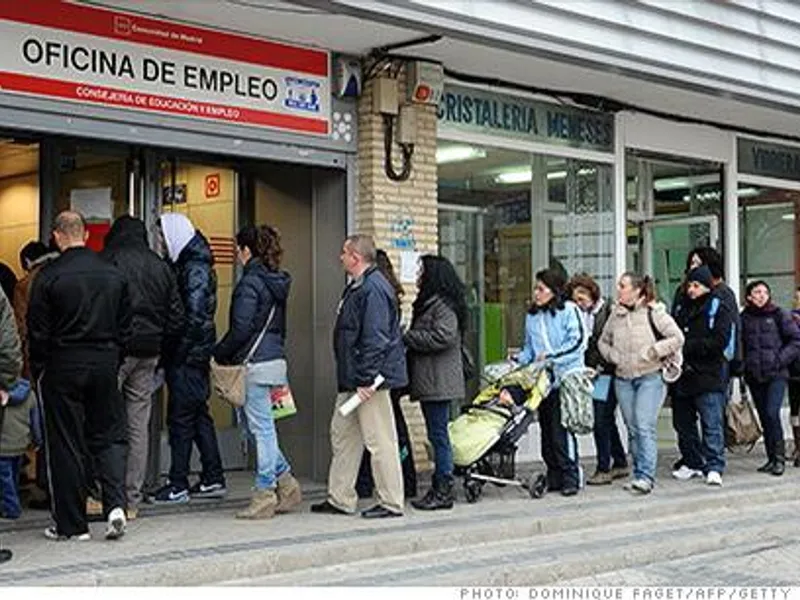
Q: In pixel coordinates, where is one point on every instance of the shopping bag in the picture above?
(282, 401)
(577, 408)
(742, 427)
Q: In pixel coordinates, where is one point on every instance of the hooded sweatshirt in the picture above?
(259, 291)
(155, 302)
(197, 285)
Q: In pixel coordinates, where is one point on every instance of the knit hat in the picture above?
(702, 275)
(517, 393)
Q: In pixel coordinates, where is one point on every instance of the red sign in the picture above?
(212, 185)
(93, 55)
(97, 235)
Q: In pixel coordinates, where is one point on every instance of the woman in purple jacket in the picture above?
(771, 343)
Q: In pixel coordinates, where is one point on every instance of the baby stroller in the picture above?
(484, 437)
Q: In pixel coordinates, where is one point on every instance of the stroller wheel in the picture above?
(537, 486)
(472, 490)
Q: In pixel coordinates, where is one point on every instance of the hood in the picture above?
(277, 282)
(178, 232)
(126, 231)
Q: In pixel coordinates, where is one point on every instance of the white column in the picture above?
(730, 217)
(620, 202)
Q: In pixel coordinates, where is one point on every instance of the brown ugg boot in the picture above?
(262, 506)
(289, 493)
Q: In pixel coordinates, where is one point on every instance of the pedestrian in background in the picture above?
(595, 310)
(258, 328)
(10, 366)
(771, 344)
(638, 339)
(367, 342)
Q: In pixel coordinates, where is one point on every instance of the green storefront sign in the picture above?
(768, 160)
(510, 116)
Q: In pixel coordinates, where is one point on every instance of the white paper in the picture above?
(354, 401)
(409, 265)
(94, 204)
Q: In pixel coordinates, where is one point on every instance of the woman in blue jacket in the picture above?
(259, 304)
(554, 333)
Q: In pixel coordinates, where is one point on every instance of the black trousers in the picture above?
(559, 446)
(84, 416)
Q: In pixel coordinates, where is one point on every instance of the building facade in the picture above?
(597, 136)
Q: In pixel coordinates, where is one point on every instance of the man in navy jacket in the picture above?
(367, 342)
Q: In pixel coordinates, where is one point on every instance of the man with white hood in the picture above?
(187, 366)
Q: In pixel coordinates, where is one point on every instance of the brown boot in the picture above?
(262, 506)
(796, 450)
(289, 493)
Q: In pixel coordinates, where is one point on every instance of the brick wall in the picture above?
(383, 204)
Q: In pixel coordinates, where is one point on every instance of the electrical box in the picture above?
(407, 125)
(425, 82)
(384, 96)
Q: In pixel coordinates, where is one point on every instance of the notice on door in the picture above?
(92, 55)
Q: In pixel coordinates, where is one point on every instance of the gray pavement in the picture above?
(685, 532)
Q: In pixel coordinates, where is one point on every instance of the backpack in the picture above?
(729, 351)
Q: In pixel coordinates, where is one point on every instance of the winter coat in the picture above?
(157, 310)
(600, 312)
(629, 343)
(771, 342)
(16, 435)
(22, 294)
(560, 335)
(704, 363)
(367, 339)
(197, 285)
(10, 352)
(258, 291)
(435, 368)
(79, 311)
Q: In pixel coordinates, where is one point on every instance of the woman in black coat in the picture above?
(771, 343)
(436, 370)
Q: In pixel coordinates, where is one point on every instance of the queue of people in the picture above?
(100, 332)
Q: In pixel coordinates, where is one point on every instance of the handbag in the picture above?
(229, 381)
(742, 427)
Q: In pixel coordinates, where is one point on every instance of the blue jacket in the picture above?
(258, 291)
(560, 335)
(367, 339)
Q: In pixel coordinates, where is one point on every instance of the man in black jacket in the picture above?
(157, 322)
(78, 326)
(367, 342)
(701, 391)
(188, 366)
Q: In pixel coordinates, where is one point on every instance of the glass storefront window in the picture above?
(505, 214)
(19, 198)
(768, 232)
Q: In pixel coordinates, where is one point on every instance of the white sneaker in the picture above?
(115, 528)
(685, 473)
(641, 486)
(714, 478)
(52, 534)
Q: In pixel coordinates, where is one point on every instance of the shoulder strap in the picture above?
(713, 308)
(656, 333)
(262, 334)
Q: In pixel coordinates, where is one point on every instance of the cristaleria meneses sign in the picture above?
(98, 56)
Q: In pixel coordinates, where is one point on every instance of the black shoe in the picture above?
(208, 491)
(5, 556)
(379, 512)
(435, 500)
(327, 508)
(678, 464)
(171, 494)
(569, 490)
(778, 468)
(767, 467)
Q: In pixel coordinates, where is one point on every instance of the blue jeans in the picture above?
(607, 440)
(640, 400)
(768, 398)
(270, 462)
(437, 416)
(710, 407)
(9, 487)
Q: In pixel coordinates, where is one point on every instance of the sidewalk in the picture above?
(555, 539)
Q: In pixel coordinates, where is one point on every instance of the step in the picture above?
(196, 548)
(549, 559)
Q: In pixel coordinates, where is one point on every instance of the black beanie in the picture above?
(517, 393)
(702, 275)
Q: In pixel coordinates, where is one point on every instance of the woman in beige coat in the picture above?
(640, 339)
